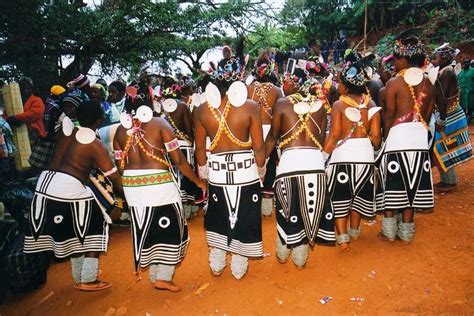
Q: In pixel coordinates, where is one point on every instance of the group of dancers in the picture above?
(319, 142)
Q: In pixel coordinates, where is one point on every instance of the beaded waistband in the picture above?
(147, 179)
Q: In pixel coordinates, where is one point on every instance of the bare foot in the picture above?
(166, 285)
(382, 237)
(344, 247)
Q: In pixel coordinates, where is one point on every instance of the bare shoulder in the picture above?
(337, 106)
(250, 105)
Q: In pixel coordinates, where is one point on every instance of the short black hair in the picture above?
(120, 86)
(89, 112)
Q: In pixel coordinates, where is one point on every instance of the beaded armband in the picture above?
(118, 154)
(172, 145)
(111, 171)
(203, 171)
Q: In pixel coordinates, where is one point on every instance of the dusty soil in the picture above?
(433, 275)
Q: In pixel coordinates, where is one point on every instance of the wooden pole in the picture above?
(365, 25)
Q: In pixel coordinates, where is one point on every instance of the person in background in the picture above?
(466, 85)
(99, 94)
(42, 151)
(81, 85)
(33, 111)
(118, 99)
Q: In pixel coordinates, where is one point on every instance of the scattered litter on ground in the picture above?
(201, 289)
(325, 300)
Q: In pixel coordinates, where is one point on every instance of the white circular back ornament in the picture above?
(126, 120)
(353, 114)
(144, 114)
(85, 135)
(237, 94)
(213, 95)
(374, 110)
(249, 80)
(195, 100)
(315, 106)
(413, 76)
(301, 108)
(202, 98)
(457, 69)
(170, 105)
(68, 126)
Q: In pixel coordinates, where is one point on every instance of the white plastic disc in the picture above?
(156, 106)
(353, 114)
(85, 135)
(369, 72)
(195, 100)
(170, 105)
(433, 74)
(321, 59)
(315, 106)
(202, 98)
(213, 95)
(144, 114)
(237, 94)
(249, 80)
(68, 126)
(457, 69)
(301, 108)
(126, 120)
(413, 76)
(374, 110)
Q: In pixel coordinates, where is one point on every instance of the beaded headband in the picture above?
(446, 52)
(355, 75)
(409, 50)
(230, 71)
(186, 82)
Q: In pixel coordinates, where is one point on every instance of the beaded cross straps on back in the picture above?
(135, 138)
(417, 117)
(357, 122)
(176, 130)
(224, 128)
(303, 120)
(261, 90)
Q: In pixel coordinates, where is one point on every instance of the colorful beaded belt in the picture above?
(147, 179)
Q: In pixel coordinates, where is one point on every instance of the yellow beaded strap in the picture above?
(137, 137)
(416, 104)
(353, 103)
(261, 90)
(321, 91)
(224, 128)
(178, 133)
(304, 126)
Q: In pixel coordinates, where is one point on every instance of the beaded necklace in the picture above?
(261, 90)
(417, 117)
(135, 138)
(224, 128)
(304, 126)
(178, 133)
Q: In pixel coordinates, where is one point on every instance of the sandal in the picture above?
(93, 286)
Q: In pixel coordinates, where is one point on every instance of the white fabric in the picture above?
(354, 150)
(407, 136)
(300, 159)
(240, 176)
(266, 129)
(65, 188)
(151, 195)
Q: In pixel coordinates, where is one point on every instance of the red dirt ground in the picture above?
(433, 275)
